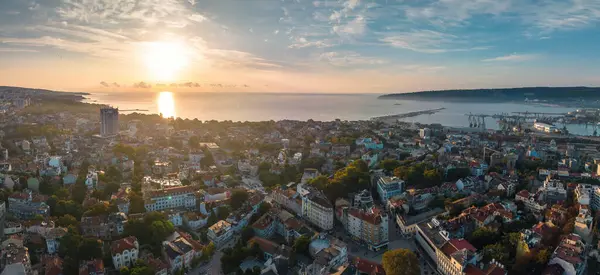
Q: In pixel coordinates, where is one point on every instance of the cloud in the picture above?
(104, 84)
(428, 41)
(198, 18)
(141, 85)
(513, 58)
(15, 50)
(13, 12)
(349, 58)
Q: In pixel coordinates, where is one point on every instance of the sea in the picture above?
(319, 107)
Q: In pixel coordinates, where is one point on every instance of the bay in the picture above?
(321, 107)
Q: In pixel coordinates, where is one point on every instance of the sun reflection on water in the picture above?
(166, 104)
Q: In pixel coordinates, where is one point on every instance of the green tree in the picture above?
(542, 256)
(238, 198)
(389, 165)
(66, 221)
(301, 245)
(401, 262)
(482, 237)
(495, 251)
(79, 192)
(247, 234)
(89, 249)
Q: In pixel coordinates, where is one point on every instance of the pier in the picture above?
(410, 114)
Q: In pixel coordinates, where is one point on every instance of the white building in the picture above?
(168, 198)
(125, 251)
(179, 253)
(316, 208)
(220, 233)
(369, 226)
(584, 223)
(553, 190)
(91, 180)
(388, 187)
(530, 201)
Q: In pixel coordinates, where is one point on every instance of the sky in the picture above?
(354, 46)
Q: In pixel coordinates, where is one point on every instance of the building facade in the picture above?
(125, 252)
(388, 187)
(369, 226)
(109, 119)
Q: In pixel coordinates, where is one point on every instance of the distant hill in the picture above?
(508, 94)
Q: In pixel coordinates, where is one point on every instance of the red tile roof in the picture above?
(368, 267)
(370, 217)
(127, 243)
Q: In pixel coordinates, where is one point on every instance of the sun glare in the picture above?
(166, 104)
(165, 60)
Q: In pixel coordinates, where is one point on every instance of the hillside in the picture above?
(508, 94)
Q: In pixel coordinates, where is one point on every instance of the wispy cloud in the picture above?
(513, 58)
(17, 50)
(349, 58)
(427, 41)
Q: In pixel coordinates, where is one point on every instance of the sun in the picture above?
(165, 60)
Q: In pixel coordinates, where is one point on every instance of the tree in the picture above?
(301, 245)
(389, 165)
(79, 192)
(136, 204)
(542, 256)
(263, 208)
(66, 221)
(495, 251)
(482, 237)
(401, 262)
(238, 198)
(209, 250)
(90, 248)
(247, 234)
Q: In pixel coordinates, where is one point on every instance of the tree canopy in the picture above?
(401, 262)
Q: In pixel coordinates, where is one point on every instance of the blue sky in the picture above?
(300, 46)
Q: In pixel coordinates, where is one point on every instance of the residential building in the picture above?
(388, 187)
(553, 190)
(125, 251)
(584, 223)
(169, 198)
(369, 226)
(309, 173)
(270, 249)
(220, 233)
(454, 256)
(317, 209)
(531, 202)
(570, 254)
(288, 198)
(93, 267)
(194, 220)
(328, 253)
(179, 254)
(16, 257)
(109, 119)
(26, 204)
(53, 237)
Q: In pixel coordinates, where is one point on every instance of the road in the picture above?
(396, 242)
(214, 266)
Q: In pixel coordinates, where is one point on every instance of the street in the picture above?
(396, 242)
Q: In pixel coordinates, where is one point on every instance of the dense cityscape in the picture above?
(89, 190)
